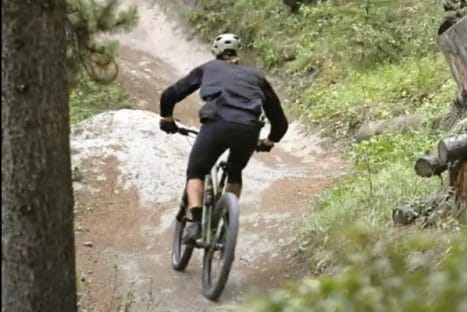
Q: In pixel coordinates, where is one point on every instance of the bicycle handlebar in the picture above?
(186, 131)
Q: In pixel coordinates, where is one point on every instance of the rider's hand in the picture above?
(168, 125)
(264, 145)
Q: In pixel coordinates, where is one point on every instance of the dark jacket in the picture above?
(232, 92)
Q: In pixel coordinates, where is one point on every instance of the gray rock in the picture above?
(394, 125)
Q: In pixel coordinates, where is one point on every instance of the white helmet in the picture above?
(225, 42)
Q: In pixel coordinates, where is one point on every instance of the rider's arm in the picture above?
(274, 113)
(180, 90)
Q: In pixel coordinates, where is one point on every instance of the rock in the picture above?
(394, 125)
(368, 130)
(88, 244)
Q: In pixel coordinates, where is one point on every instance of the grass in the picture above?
(414, 85)
(336, 33)
(367, 198)
(382, 179)
(91, 98)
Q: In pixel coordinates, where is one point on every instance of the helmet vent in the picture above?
(225, 41)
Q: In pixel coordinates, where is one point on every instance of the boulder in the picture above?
(394, 125)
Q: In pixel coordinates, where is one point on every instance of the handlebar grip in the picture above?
(263, 148)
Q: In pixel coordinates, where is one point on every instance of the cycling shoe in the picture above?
(192, 233)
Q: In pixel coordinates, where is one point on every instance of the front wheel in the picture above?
(219, 256)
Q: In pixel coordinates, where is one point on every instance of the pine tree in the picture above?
(87, 21)
(38, 255)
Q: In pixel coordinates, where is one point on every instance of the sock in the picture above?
(196, 213)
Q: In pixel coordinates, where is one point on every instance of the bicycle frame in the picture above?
(214, 187)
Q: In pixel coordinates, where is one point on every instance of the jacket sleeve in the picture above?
(274, 112)
(180, 90)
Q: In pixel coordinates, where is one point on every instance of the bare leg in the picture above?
(235, 188)
(195, 191)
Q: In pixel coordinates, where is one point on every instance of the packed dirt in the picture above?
(132, 175)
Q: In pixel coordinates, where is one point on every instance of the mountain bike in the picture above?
(220, 219)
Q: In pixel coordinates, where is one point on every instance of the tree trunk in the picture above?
(453, 148)
(453, 44)
(38, 260)
(458, 181)
(429, 165)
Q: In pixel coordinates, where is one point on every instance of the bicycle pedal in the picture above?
(196, 245)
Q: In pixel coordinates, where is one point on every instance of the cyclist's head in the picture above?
(226, 46)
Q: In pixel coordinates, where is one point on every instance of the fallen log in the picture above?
(429, 165)
(453, 148)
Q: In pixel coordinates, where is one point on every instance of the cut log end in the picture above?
(453, 148)
(429, 165)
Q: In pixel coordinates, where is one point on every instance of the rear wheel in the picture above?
(218, 258)
(181, 253)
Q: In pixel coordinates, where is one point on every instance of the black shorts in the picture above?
(214, 138)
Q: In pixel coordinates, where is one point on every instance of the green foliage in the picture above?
(342, 33)
(374, 59)
(268, 54)
(422, 85)
(382, 179)
(88, 20)
(382, 150)
(87, 52)
(345, 63)
(366, 197)
(90, 98)
(381, 277)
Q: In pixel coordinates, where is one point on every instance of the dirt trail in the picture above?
(133, 175)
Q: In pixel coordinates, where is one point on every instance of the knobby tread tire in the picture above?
(181, 254)
(227, 204)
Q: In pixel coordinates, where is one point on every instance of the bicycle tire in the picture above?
(181, 253)
(228, 208)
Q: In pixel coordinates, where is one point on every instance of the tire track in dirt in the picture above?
(133, 175)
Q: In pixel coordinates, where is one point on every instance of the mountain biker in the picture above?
(235, 97)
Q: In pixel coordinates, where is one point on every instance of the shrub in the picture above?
(380, 276)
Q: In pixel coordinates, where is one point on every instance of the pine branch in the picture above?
(87, 19)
